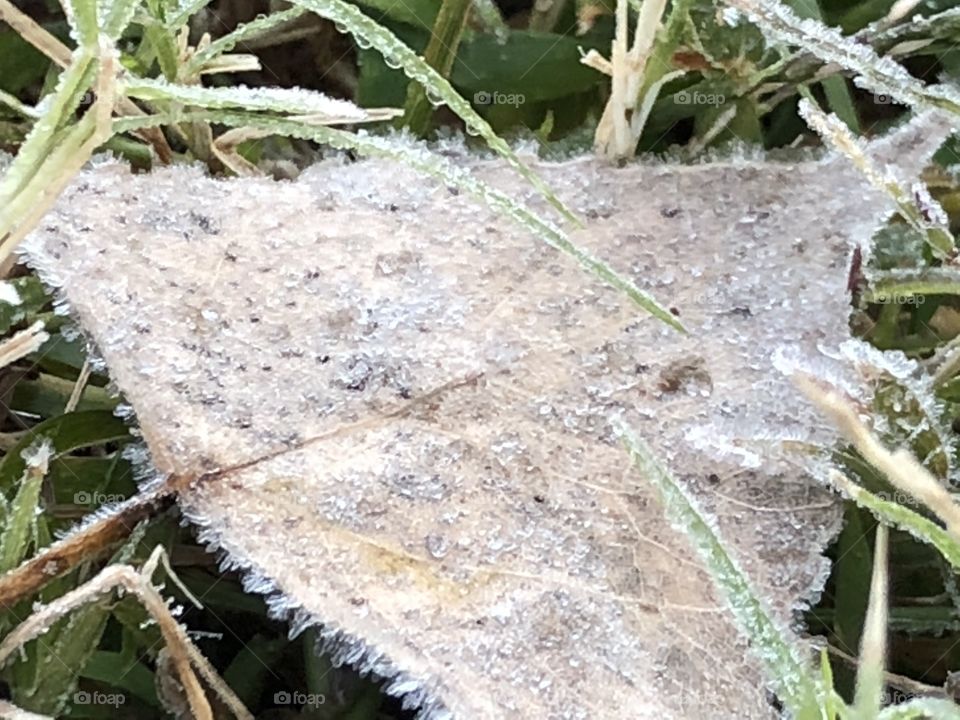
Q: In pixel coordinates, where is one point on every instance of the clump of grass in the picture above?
(934, 518)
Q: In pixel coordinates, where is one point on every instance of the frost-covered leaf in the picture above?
(393, 410)
(418, 158)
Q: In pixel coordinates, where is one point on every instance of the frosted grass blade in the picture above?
(875, 73)
(901, 517)
(293, 101)
(396, 53)
(797, 686)
(243, 33)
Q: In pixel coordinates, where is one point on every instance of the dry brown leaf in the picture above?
(392, 409)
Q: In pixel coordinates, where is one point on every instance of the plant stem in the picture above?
(545, 14)
(440, 53)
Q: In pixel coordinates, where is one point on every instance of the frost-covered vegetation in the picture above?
(249, 88)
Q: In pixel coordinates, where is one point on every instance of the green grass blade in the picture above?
(133, 678)
(798, 687)
(488, 14)
(118, 18)
(184, 12)
(18, 107)
(67, 648)
(44, 180)
(440, 53)
(901, 517)
(839, 97)
(660, 67)
(249, 672)
(869, 691)
(22, 515)
(834, 706)
(826, 670)
(854, 560)
(395, 52)
(901, 286)
(163, 45)
(55, 109)
(84, 27)
(840, 101)
(64, 433)
(942, 25)
(62, 655)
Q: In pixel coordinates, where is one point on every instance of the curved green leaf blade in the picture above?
(65, 434)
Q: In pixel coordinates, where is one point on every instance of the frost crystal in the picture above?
(8, 293)
(38, 454)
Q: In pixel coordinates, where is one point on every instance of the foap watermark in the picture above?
(894, 696)
(487, 97)
(82, 697)
(695, 97)
(300, 699)
(710, 296)
(898, 497)
(900, 299)
(96, 498)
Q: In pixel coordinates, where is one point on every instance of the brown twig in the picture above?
(22, 344)
(182, 653)
(31, 31)
(86, 543)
